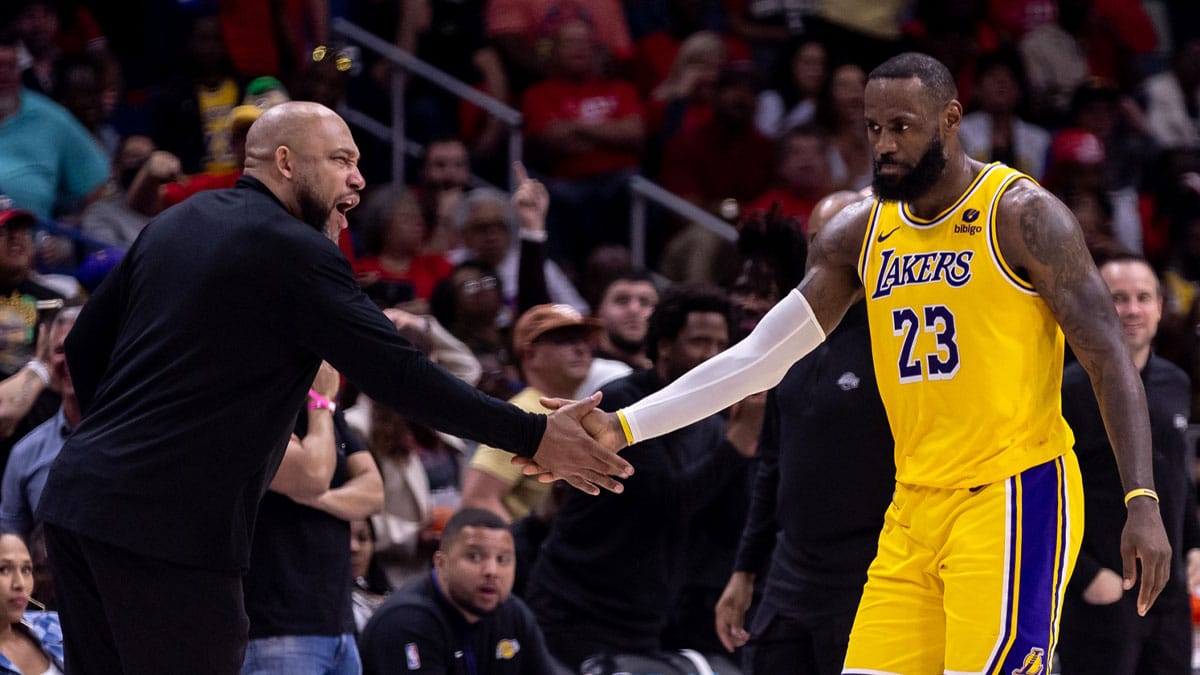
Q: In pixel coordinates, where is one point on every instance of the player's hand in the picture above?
(1105, 588)
(569, 451)
(605, 427)
(731, 610)
(602, 426)
(1145, 540)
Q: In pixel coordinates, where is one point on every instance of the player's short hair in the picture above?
(933, 74)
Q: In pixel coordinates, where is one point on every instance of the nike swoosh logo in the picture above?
(885, 236)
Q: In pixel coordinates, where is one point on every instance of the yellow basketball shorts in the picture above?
(971, 580)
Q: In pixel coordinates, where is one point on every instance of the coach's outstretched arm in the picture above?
(1039, 235)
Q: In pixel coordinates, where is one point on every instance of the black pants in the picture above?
(1114, 640)
(127, 613)
(809, 639)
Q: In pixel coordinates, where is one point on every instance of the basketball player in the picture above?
(972, 274)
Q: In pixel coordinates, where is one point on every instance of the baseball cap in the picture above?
(262, 93)
(17, 218)
(261, 85)
(541, 319)
(1076, 146)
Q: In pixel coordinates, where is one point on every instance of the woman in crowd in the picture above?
(395, 271)
(30, 641)
(794, 102)
(368, 584)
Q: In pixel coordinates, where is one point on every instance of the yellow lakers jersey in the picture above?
(967, 355)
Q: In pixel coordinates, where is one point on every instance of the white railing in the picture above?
(407, 64)
(642, 190)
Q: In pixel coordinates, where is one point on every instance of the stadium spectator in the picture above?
(461, 617)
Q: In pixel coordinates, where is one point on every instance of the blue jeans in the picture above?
(303, 655)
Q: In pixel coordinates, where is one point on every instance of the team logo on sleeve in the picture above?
(412, 656)
(848, 381)
(911, 269)
(507, 648)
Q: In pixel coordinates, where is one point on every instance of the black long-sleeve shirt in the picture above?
(1168, 396)
(826, 470)
(191, 359)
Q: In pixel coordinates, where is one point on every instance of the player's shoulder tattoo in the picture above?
(841, 238)
(1046, 232)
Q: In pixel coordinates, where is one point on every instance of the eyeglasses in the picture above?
(484, 283)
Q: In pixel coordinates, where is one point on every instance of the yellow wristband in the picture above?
(625, 427)
(1140, 492)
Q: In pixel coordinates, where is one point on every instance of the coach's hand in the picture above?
(567, 452)
(1145, 540)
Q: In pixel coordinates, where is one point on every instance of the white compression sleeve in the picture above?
(757, 363)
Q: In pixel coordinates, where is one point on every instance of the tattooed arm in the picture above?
(831, 282)
(1041, 239)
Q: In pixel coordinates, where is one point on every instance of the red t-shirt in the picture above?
(593, 102)
(709, 164)
(173, 193)
(253, 48)
(423, 272)
(527, 17)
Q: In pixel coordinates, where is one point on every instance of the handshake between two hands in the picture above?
(580, 447)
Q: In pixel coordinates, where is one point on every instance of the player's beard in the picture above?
(919, 179)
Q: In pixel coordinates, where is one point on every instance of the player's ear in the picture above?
(952, 114)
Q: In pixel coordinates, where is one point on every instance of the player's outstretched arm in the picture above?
(795, 326)
(790, 330)
(1039, 235)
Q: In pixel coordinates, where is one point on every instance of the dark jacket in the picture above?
(417, 629)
